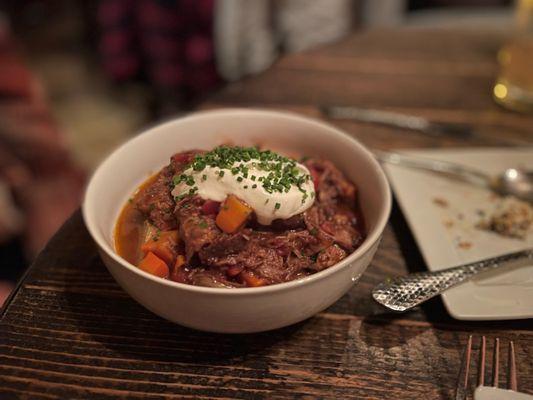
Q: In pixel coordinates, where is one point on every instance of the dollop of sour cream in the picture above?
(216, 183)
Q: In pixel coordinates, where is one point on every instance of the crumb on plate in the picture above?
(464, 245)
(439, 201)
(511, 218)
(448, 223)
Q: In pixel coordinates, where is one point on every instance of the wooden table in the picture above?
(70, 332)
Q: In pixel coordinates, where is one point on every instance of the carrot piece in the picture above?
(154, 265)
(233, 214)
(252, 280)
(180, 262)
(163, 245)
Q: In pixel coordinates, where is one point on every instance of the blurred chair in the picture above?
(250, 35)
(167, 43)
(184, 48)
(39, 184)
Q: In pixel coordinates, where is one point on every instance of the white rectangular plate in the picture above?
(492, 393)
(447, 236)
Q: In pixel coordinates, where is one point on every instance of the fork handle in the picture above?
(405, 292)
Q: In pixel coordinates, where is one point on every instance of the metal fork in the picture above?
(461, 392)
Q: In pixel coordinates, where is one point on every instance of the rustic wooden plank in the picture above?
(419, 44)
(281, 86)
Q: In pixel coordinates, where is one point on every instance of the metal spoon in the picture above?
(405, 292)
(513, 181)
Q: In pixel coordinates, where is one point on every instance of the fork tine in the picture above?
(481, 364)
(512, 383)
(496, 362)
(462, 380)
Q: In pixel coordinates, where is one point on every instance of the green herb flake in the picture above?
(189, 180)
(277, 206)
(281, 172)
(203, 224)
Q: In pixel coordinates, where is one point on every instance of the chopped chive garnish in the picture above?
(277, 206)
(280, 173)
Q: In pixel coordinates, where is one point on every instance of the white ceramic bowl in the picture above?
(247, 309)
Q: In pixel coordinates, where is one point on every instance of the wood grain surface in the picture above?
(70, 332)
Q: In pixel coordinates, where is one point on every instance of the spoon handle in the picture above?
(405, 292)
(465, 174)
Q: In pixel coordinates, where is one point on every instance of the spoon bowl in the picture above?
(515, 182)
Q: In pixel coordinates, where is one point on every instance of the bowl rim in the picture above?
(367, 244)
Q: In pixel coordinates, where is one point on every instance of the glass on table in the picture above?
(514, 85)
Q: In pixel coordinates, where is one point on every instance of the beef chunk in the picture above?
(296, 266)
(263, 253)
(211, 278)
(328, 257)
(330, 182)
(222, 250)
(246, 254)
(335, 221)
(295, 222)
(299, 243)
(202, 276)
(180, 161)
(195, 229)
(155, 201)
(265, 262)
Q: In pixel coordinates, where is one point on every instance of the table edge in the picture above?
(22, 279)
